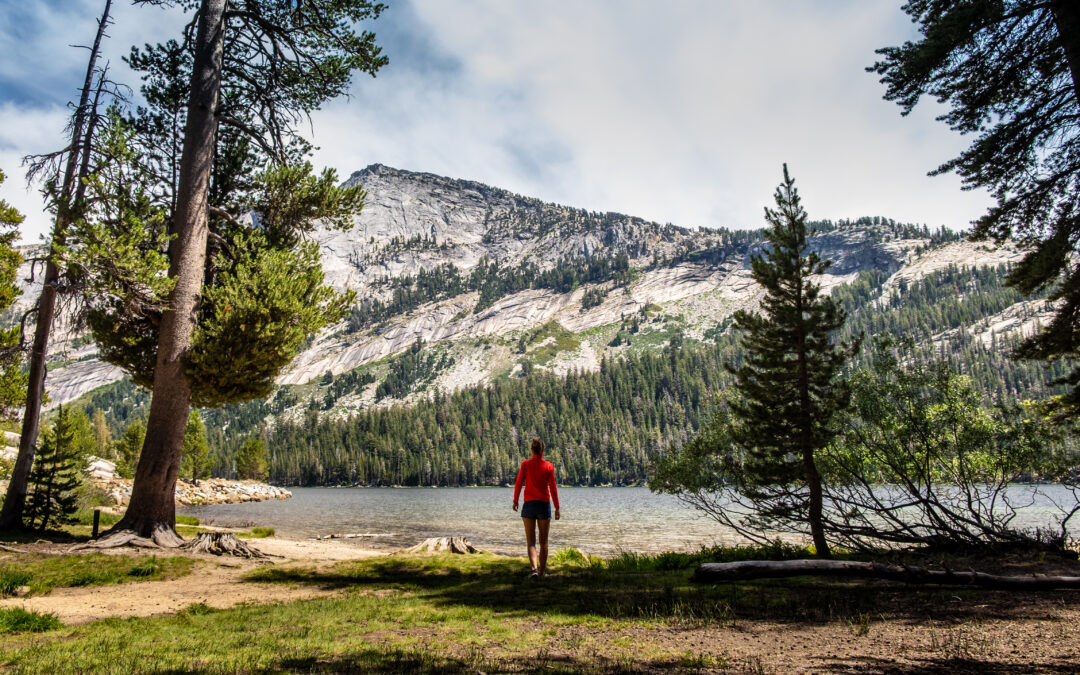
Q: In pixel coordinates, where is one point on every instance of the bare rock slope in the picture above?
(498, 247)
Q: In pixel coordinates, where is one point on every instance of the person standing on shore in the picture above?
(538, 477)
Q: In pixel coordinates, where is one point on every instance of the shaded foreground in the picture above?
(452, 613)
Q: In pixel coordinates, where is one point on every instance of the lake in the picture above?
(599, 521)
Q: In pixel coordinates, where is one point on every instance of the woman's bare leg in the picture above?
(530, 539)
(544, 526)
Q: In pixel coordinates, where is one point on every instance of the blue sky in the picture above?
(681, 111)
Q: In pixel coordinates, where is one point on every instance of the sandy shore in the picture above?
(216, 582)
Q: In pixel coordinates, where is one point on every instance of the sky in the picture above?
(682, 111)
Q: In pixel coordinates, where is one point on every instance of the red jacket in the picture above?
(538, 476)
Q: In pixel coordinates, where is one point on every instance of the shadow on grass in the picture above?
(419, 661)
(863, 665)
(499, 584)
(17, 536)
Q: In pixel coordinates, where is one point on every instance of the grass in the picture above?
(18, 620)
(42, 573)
(447, 613)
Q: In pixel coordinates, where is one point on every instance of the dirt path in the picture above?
(214, 581)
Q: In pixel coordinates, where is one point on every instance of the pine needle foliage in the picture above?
(195, 461)
(55, 478)
(1009, 70)
(789, 384)
(264, 292)
(12, 379)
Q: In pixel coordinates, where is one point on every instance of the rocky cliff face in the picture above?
(677, 280)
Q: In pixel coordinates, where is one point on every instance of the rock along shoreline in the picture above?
(208, 491)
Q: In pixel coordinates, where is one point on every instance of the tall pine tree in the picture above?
(789, 383)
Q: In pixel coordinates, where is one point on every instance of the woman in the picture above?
(538, 477)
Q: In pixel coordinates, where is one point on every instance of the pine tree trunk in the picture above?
(813, 478)
(1067, 19)
(11, 516)
(151, 512)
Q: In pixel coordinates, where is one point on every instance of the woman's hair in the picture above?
(537, 446)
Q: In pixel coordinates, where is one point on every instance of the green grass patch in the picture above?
(187, 520)
(257, 533)
(18, 620)
(12, 580)
(546, 342)
(42, 573)
(453, 613)
(86, 517)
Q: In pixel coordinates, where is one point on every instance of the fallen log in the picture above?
(436, 544)
(909, 574)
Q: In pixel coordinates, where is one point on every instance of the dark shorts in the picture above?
(537, 509)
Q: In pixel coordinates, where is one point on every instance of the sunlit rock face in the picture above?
(692, 278)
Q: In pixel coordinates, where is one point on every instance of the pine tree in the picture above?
(249, 75)
(128, 447)
(1010, 72)
(195, 461)
(251, 460)
(54, 480)
(12, 379)
(789, 383)
(103, 443)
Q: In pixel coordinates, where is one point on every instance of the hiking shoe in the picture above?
(534, 575)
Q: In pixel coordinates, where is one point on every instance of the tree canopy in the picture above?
(1009, 70)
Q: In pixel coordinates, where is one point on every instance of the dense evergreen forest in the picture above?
(601, 427)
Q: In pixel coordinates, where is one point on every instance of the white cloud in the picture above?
(26, 131)
(680, 111)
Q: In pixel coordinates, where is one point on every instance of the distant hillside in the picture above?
(463, 285)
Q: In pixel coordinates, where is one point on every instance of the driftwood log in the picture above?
(222, 543)
(436, 544)
(762, 569)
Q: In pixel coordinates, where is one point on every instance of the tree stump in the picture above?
(438, 544)
(222, 543)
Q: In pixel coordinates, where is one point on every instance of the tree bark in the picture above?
(12, 513)
(761, 569)
(151, 512)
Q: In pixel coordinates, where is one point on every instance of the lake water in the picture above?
(599, 521)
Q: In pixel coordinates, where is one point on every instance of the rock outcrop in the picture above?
(208, 491)
(417, 221)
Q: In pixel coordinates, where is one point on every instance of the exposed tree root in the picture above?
(161, 536)
(757, 569)
(9, 549)
(116, 540)
(224, 543)
(435, 544)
